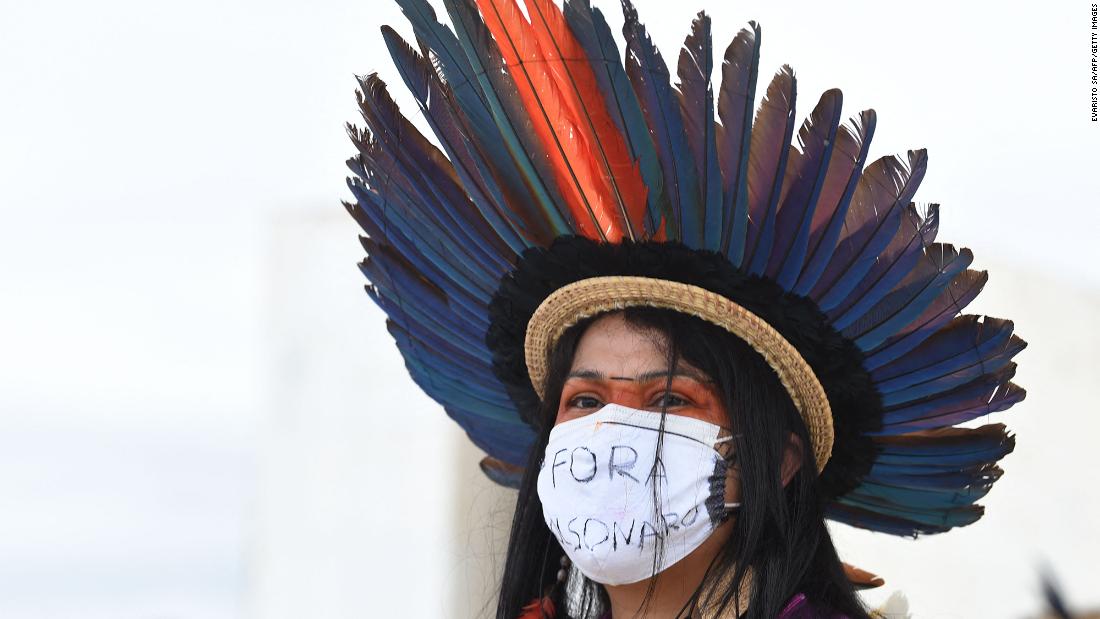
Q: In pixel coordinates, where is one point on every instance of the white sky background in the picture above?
(150, 153)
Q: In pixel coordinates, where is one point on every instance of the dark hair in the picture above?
(779, 532)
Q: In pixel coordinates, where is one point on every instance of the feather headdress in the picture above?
(554, 152)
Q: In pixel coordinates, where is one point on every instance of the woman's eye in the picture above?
(669, 400)
(584, 401)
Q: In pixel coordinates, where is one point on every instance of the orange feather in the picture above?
(537, 92)
(626, 192)
(602, 186)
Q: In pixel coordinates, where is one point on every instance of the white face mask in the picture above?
(597, 490)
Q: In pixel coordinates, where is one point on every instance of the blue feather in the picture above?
(649, 78)
(451, 361)
(940, 518)
(453, 377)
(944, 374)
(428, 182)
(768, 153)
(914, 235)
(981, 476)
(866, 519)
(958, 406)
(946, 449)
(431, 259)
(460, 74)
(455, 341)
(502, 473)
(510, 444)
(469, 308)
(489, 400)
(501, 433)
(946, 461)
(455, 390)
(740, 66)
(916, 293)
(696, 97)
(434, 101)
(924, 498)
(804, 179)
(962, 343)
(841, 181)
(416, 193)
(426, 261)
(958, 294)
(873, 217)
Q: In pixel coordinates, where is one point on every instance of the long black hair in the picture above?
(779, 532)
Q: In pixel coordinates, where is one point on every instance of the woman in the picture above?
(685, 340)
(675, 364)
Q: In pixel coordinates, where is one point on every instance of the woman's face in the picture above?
(618, 363)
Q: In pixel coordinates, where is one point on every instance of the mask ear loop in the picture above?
(736, 505)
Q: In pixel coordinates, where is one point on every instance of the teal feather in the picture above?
(927, 498)
(939, 518)
(435, 100)
(472, 106)
(499, 92)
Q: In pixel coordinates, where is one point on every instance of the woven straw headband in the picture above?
(570, 304)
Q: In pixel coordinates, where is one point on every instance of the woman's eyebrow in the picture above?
(643, 377)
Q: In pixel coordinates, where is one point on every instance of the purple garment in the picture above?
(798, 608)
